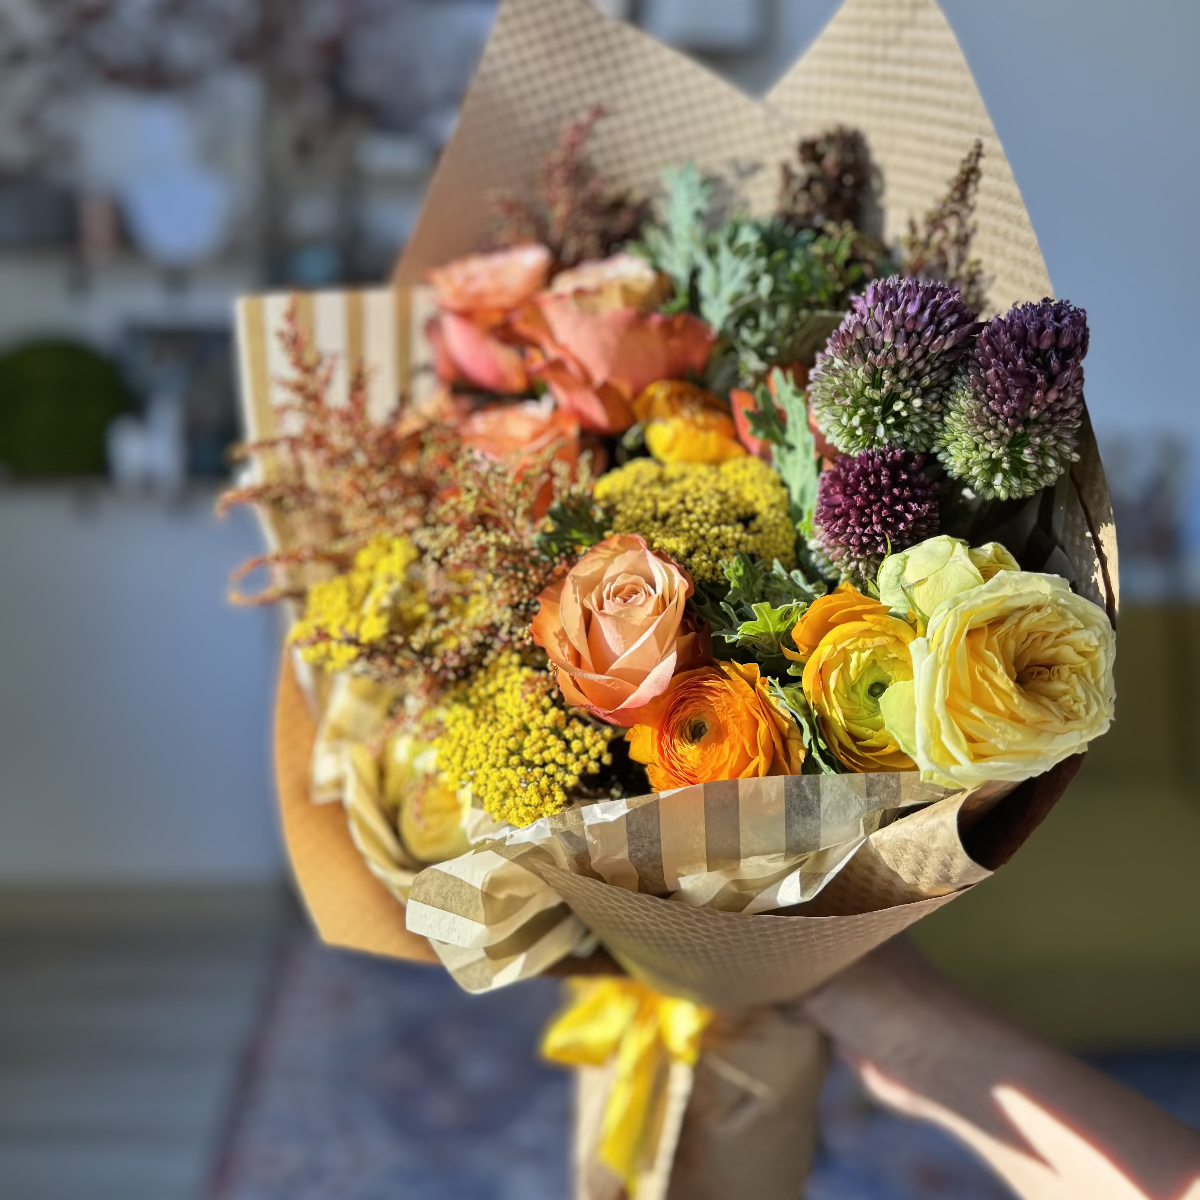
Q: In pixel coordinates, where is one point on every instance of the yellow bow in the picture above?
(646, 1032)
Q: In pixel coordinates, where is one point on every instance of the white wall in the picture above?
(134, 702)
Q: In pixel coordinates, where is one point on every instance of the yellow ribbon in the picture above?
(645, 1032)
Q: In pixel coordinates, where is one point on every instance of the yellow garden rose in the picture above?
(684, 423)
(854, 665)
(1011, 677)
(917, 580)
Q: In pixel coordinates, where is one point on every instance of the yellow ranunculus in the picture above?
(920, 578)
(1010, 678)
(686, 424)
(432, 814)
(853, 667)
(845, 604)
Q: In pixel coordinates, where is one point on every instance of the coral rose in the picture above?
(1011, 677)
(852, 668)
(602, 345)
(716, 723)
(526, 436)
(616, 629)
(684, 423)
(472, 338)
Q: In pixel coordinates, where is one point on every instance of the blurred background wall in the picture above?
(157, 157)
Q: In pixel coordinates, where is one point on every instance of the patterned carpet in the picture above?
(373, 1080)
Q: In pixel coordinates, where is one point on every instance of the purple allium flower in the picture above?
(871, 504)
(882, 376)
(1013, 416)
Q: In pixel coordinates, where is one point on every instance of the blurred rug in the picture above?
(377, 1080)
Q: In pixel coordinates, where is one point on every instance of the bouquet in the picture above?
(692, 578)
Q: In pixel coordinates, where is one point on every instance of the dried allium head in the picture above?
(828, 182)
(872, 504)
(883, 374)
(1013, 415)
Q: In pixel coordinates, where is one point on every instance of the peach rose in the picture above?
(602, 345)
(616, 629)
(472, 337)
(526, 436)
(717, 723)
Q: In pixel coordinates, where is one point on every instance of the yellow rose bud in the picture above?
(855, 665)
(686, 424)
(1010, 678)
(993, 558)
(433, 815)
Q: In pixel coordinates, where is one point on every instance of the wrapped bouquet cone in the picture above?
(735, 896)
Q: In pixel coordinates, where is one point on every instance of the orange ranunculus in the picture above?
(716, 723)
(526, 436)
(845, 604)
(616, 629)
(471, 337)
(684, 423)
(600, 351)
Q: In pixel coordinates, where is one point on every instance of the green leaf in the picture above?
(796, 458)
(820, 760)
(753, 619)
(678, 245)
(572, 526)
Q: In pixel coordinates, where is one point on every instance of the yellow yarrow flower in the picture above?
(346, 615)
(508, 738)
(702, 515)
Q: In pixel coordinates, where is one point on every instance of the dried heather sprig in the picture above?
(829, 181)
(881, 379)
(940, 247)
(1013, 415)
(575, 211)
(871, 505)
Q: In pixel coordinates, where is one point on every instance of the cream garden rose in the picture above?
(616, 629)
(919, 579)
(1012, 676)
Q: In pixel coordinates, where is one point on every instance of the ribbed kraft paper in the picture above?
(893, 68)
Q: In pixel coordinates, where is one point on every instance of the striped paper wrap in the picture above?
(737, 894)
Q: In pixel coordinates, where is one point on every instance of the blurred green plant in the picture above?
(57, 400)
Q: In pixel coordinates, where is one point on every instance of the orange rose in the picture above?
(526, 436)
(846, 604)
(616, 630)
(716, 723)
(472, 338)
(684, 423)
(602, 345)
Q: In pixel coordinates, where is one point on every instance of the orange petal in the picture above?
(477, 357)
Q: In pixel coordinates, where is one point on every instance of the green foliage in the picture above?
(757, 612)
(677, 246)
(57, 400)
(774, 293)
(783, 420)
(820, 760)
(572, 526)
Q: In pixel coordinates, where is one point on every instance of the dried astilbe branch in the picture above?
(575, 211)
(939, 248)
(340, 478)
(829, 182)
